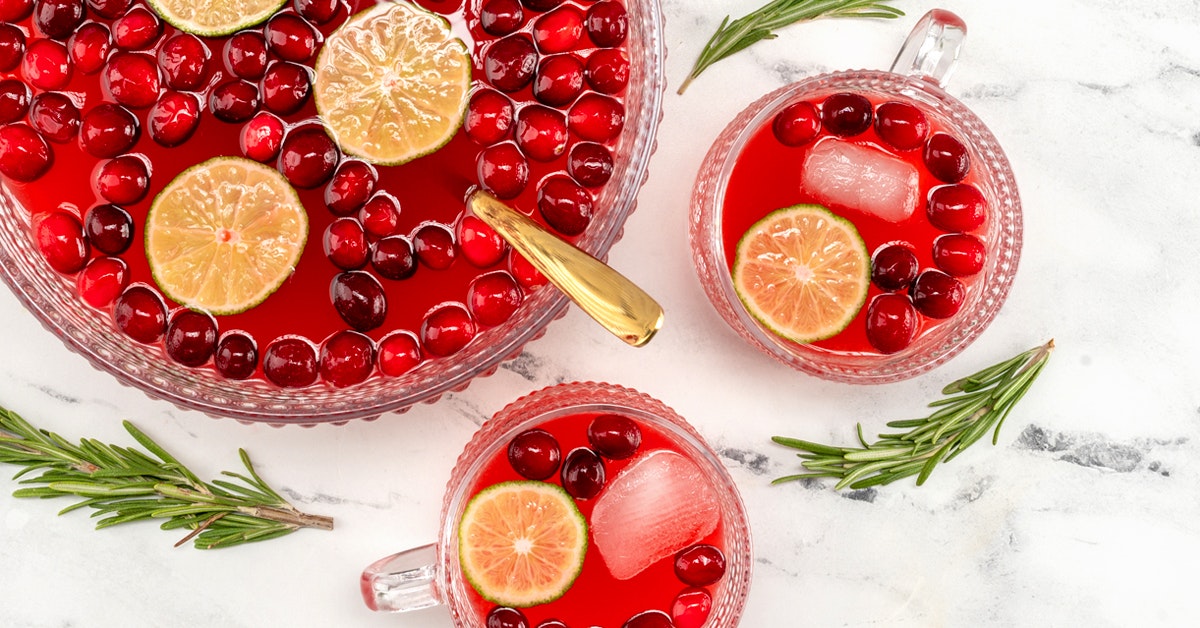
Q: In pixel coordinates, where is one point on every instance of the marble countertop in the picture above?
(1085, 514)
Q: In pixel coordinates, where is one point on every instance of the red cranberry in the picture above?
(54, 116)
(501, 17)
(57, 19)
(234, 101)
(541, 5)
(691, 608)
(846, 114)
(184, 62)
(359, 300)
(380, 215)
(140, 314)
(347, 358)
(503, 171)
(47, 65)
(350, 187)
(583, 473)
(559, 80)
(559, 30)
(60, 240)
(191, 338)
(958, 207)
(246, 55)
(492, 298)
(308, 157)
(947, 158)
(489, 116)
(614, 436)
(607, 70)
(89, 47)
(132, 79)
(173, 119)
(446, 330)
(12, 47)
(901, 125)
(290, 37)
(552, 623)
(509, 63)
(285, 88)
(236, 356)
(123, 180)
(290, 363)
(597, 118)
(607, 23)
(14, 100)
(15, 10)
(434, 245)
(137, 30)
(649, 619)
(590, 164)
(699, 565)
(346, 244)
(108, 228)
(399, 352)
(534, 454)
(108, 130)
(894, 267)
(938, 295)
(110, 9)
(524, 272)
(505, 617)
(891, 322)
(480, 244)
(541, 133)
(317, 11)
(959, 254)
(261, 137)
(393, 258)
(565, 205)
(102, 281)
(24, 154)
(797, 124)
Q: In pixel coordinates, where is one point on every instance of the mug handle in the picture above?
(932, 49)
(402, 582)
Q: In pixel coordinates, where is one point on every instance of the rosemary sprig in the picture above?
(123, 484)
(735, 36)
(973, 406)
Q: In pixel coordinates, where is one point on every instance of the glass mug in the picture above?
(917, 76)
(431, 575)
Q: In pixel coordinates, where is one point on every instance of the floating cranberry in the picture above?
(615, 436)
(132, 79)
(359, 300)
(541, 133)
(140, 314)
(394, 258)
(891, 322)
(236, 356)
(492, 298)
(136, 30)
(501, 17)
(12, 47)
(505, 617)
(89, 47)
(351, 186)
(24, 154)
(434, 244)
(108, 228)
(173, 119)
(15, 10)
(447, 330)
(47, 65)
(290, 37)
(57, 19)
(959, 254)
(399, 352)
(60, 241)
(893, 267)
(559, 30)
(246, 55)
(317, 11)
(102, 281)
(607, 70)
(285, 87)
(509, 64)
(108, 130)
(699, 565)
(503, 170)
(937, 295)
(691, 608)
(559, 80)
(191, 338)
(797, 124)
(347, 358)
(597, 118)
(959, 207)
(234, 101)
(583, 473)
(489, 117)
(123, 180)
(290, 363)
(649, 619)
(184, 62)
(591, 165)
(262, 136)
(346, 244)
(541, 5)
(480, 244)
(534, 454)
(947, 158)
(380, 216)
(901, 125)
(14, 100)
(307, 157)
(552, 623)
(54, 116)
(524, 272)
(110, 9)
(565, 205)
(607, 23)
(846, 114)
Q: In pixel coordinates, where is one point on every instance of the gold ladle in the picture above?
(604, 294)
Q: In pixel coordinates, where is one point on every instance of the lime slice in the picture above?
(392, 82)
(522, 543)
(215, 18)
(803, 272)
(224, 235)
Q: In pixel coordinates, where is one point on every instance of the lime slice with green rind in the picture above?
(215, 18)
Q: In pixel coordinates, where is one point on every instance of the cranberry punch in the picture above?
(860, 226)
(582, 504)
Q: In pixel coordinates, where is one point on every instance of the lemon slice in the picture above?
(522, 543)
(392, 82)
(224, 235)
(214, 18)
(803, 272)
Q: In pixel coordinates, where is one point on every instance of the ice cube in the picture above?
(660, 504)
(839, 173)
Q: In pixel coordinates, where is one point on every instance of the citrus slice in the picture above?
(803, 272)
(392, 82)
(522, 543)
(224, 235)
(215, 18)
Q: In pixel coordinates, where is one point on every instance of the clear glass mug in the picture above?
(430, 575)
(919, 73)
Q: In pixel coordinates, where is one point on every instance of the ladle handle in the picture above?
(932, 48)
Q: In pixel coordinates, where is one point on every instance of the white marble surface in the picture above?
(1086, 513)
